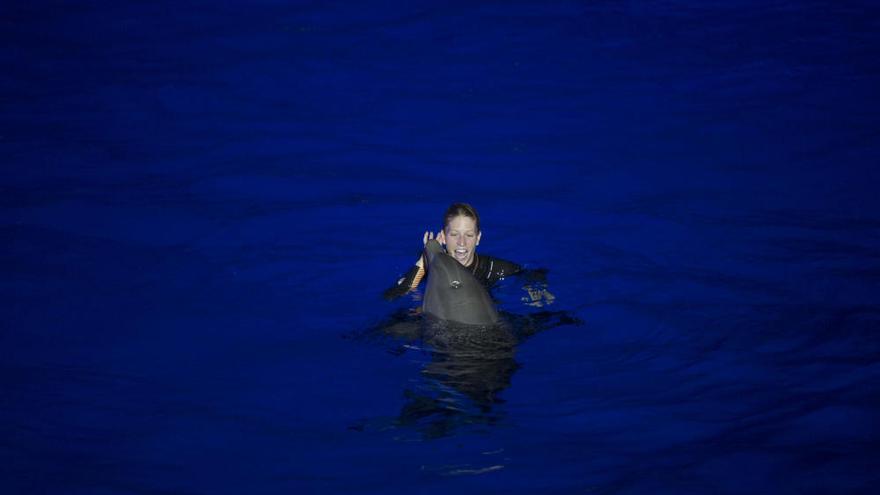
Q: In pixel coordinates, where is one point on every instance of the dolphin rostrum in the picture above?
(453, 293)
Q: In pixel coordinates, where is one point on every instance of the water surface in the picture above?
(202, 204)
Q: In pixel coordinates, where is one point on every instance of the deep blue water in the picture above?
(203, 202)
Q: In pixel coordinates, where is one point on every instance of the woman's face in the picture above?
(462, 239)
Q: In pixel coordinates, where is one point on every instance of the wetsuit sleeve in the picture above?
(409, 281)
(538, 275)
(490, 270)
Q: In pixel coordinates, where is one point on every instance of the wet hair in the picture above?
(461, 210)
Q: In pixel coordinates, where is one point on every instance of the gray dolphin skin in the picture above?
(453, 293)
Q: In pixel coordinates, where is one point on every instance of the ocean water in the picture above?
(203, 202)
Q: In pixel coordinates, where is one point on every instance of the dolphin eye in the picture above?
(455, 284)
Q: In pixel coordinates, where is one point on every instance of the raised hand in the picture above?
(425, 238)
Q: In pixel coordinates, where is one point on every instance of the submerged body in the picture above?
(453, 293)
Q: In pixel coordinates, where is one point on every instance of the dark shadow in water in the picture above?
(468, 366)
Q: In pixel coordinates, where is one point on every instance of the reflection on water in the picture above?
(467, 369)
(476, 361)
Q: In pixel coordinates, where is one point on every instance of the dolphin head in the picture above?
(452, 293)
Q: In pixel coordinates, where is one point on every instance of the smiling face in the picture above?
(462, 239)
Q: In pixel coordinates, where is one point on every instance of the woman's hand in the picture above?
(425, 238)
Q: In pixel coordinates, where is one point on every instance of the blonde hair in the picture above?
(461, 210)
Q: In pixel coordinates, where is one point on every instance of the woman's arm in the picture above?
(491, 270)
(411, 279)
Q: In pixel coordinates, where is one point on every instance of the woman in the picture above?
(461, 236)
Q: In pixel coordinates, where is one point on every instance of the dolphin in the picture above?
(453, 293)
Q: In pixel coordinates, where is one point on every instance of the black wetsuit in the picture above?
(487, 269)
